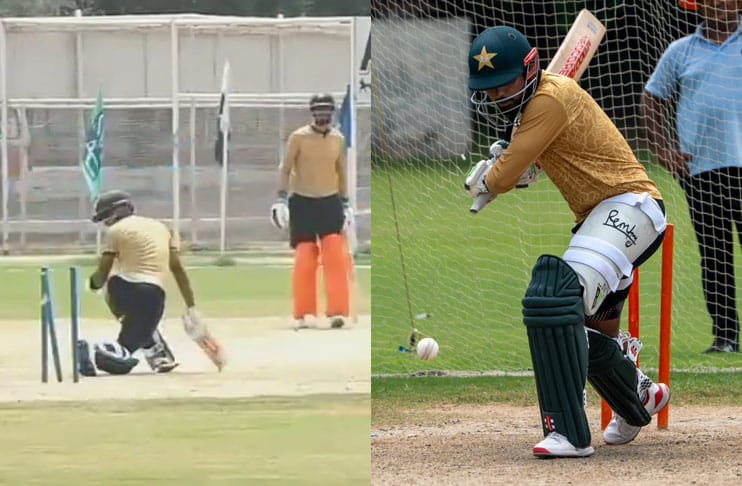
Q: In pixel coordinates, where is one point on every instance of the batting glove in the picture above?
(497, 149)
(474, 183)
(280, 211)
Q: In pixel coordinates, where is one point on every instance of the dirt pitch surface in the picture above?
(266, 357)
(468, 445)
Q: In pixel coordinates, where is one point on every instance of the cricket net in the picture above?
(460, 278)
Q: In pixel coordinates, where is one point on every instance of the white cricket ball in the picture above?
(427, 349)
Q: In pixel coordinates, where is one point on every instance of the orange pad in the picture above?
(335, 268)
(304, 279)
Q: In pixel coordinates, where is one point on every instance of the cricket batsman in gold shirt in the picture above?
(138, 255)
(576, 299)
(317, 213)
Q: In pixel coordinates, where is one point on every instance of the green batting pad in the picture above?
(553, 314)
(613, 376)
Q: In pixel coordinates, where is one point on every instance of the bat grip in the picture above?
(479, 202)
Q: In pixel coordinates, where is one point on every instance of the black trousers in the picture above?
(715, 204)
(139, 307)
(313, 218)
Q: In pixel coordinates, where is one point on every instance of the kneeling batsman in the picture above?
(144, 251)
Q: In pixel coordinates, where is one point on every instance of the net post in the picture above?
(4, 187)
(668, 246)
(605, 414)
(82, 203)
(175, 110)
(192, 167)
(605, 411)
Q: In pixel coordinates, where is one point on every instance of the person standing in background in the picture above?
(316, 213)
(700, 73)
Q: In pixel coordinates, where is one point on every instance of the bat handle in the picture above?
(479, 202)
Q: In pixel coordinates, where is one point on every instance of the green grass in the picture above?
(394, 398)
(470, 272)
(310, 440)
(239, 290)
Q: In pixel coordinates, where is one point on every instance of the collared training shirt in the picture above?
(706, 79)
(315, 162)
(142, 247)
(577, 146)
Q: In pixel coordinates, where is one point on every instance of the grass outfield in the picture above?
(396, 399)
(470, 272)
(310, 440)
(242, 290)
(306, 440)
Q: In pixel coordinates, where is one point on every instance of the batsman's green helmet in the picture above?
(497, 57)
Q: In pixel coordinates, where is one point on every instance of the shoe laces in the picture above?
(629, 345)
(645, 383)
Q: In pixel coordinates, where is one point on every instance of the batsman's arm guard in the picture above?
(197, 330)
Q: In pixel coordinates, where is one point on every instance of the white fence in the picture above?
(160, 77)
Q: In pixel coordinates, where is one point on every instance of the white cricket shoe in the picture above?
(307, 322)
(337, 322)
(556, 445)
(655, 398)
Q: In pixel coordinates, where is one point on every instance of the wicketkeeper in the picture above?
(313, 204)
(576, 299)
(137, 256)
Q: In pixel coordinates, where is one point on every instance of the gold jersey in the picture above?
(314, 165)
(577, 146)
(142, 247)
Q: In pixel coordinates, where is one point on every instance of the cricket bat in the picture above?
(571, 59)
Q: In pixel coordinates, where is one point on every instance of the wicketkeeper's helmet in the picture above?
(109, 202)
(322, 107)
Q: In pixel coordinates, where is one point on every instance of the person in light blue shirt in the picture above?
(697, 83)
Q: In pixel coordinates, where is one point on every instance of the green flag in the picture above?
(93, 161)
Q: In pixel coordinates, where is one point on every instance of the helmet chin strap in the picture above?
(321, 128)
(496, 116)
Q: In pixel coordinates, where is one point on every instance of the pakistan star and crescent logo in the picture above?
(485, 59)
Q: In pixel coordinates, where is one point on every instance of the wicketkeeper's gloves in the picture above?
(280, 211)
